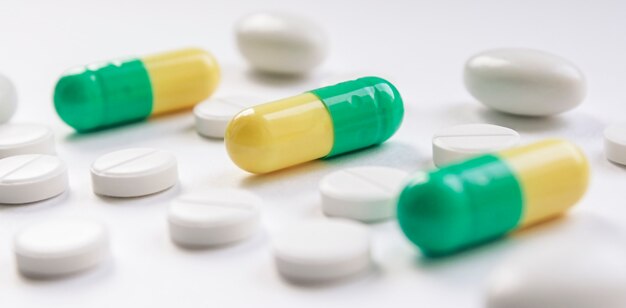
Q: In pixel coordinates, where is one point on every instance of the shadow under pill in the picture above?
(373, 272)
(257, 241)
(97, 272)
(574, 125)
(163, 196)
(276, 79)
(37, 205)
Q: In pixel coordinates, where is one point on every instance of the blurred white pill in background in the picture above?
(583, 273)
(281, 43)
(524, 81)
(8, 99)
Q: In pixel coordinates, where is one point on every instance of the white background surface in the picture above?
(420, 45)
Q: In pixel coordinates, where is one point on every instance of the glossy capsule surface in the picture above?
(483, 198)
(320, 123)
(108, 94)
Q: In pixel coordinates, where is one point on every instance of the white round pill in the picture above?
(562, 276)
(134, 172)
(281, 43)
(60, 247)
(16, 139)
(615, 143)
(460, 142)
(31, 177)
(322, 250)
(8, 99)
(212, 116)
(362, 193)
(214, 217)
(524, 81)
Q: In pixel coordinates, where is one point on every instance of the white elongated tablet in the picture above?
(60, 247)
(460, 142)
(362, 193)
(16, 139)
(214, 217)
(134, 172)
(31, 177)
(615, 143)
(524, 81)
(8, 99)
(212, 116)
(322, 250)
(281, 43)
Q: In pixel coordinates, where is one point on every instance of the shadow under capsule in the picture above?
(296, 179)
(128, 134)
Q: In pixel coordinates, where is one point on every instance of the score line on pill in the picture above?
(134, 172)
(31, 177)
(362, 193)
(212, 116)
(214, 217)
(460, 142)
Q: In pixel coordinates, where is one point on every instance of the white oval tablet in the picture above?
(60, 247)
(322, 250)
(362, 193)
(31, 177)
(615, 143)
(8, 99)
(281, 43)
(16, 139)
(212, 116)
(524, 81)
(214, 217)
(461, 142)
(134, 172)
(561, 276)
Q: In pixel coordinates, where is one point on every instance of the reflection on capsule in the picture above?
(483, 198)
(321, 123)
(108, 94)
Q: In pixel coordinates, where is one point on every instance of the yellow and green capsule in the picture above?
(320, 123)
(108, 94)
(483, 198)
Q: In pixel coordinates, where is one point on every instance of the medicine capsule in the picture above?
(108, 94)
(321, 123)
(483, 198)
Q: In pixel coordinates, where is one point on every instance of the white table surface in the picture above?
(420, 45)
